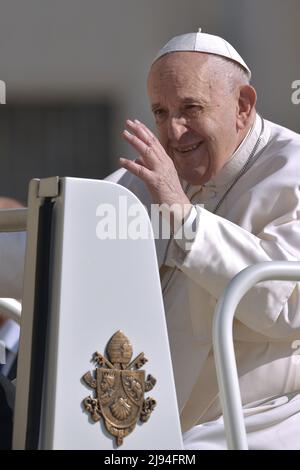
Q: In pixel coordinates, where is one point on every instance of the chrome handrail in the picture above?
(11, 308)
(226, 368)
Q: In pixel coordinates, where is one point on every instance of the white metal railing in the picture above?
(226, 368)
(11, 308)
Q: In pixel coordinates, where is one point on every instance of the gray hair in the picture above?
(233, 72)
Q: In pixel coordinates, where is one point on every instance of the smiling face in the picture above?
(197, 113)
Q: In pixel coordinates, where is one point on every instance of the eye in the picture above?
(193, 107)
(158, 112)
(159, 115)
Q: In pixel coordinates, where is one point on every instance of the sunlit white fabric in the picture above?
(258, 221)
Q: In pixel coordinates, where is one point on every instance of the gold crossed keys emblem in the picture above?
(119, 388)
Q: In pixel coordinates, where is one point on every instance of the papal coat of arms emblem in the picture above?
(119, 388)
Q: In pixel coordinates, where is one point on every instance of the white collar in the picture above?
(241, 154)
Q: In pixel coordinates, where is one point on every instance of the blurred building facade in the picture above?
(88, 54)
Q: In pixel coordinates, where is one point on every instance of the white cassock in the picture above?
(258, 221)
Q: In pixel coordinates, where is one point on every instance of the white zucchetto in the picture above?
(202, 42)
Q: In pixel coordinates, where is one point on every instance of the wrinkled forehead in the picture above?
(184, 72)
(174, 63)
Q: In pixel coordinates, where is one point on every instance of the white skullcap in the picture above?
(2, 92)
(202, 42)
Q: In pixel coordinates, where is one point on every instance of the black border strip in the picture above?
(40, 324)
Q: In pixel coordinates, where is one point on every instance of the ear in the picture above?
(246, 103)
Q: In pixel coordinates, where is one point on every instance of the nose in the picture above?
(176, 128)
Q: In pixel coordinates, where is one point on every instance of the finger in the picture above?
(140, 161)
(144, 150)
(136, 169)
(151, 135)
(147, 136)
(146, 129)
(142, 131)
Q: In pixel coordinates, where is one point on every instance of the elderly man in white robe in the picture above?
(213, 149)
(234, 179)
